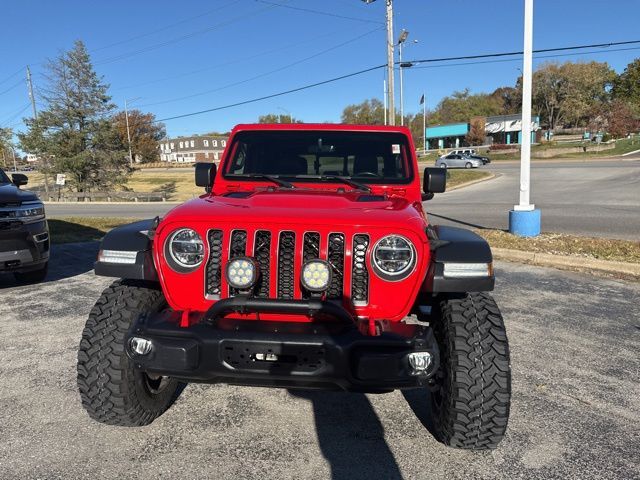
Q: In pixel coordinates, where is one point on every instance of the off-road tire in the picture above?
(35, 276)
(111, 390)
(471, 399)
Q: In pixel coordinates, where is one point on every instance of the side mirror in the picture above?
(205, 175)
(435, 180)
(19, 179)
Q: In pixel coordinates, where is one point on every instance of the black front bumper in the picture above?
(323, 355)
(24, 247)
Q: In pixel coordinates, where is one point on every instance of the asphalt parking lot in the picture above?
(576, 398)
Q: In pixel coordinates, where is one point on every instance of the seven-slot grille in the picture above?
(277, 262)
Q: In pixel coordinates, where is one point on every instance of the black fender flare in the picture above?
(457, 245)
(132, 237)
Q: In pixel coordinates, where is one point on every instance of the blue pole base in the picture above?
(524, 223)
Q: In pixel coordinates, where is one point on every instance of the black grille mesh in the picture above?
(238, 248)
(261, 252)
(311, 246)
(213, 273)
(286, 255)
(335, 257)
(359, 274)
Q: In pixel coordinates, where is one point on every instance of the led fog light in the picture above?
(316, 276)
(140, 346)
(242, 273)
(419, 362)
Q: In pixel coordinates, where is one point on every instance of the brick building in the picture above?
(198, 148)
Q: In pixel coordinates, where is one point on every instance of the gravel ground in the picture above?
(575, 413)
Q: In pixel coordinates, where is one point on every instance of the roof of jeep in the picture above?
(320, 126)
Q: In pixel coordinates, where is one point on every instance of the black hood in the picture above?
(9, 193)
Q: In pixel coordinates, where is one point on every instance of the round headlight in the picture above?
(242, 273)
(316, 276)
(186, 248)
(393, 257)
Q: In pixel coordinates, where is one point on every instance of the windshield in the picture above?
(3, 177)
(304, 155)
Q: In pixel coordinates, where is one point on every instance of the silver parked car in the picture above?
(454, 160)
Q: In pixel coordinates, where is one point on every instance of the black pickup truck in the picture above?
(24, 233)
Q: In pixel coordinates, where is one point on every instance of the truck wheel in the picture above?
(471, 398)
(35, 276)
(111, 390)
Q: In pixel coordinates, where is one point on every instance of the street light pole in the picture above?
(524, 219)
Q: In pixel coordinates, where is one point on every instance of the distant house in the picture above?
(205, 148)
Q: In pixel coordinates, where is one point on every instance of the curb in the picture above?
(473, 182)
(567, 262)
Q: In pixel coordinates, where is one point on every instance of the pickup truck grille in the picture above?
(275, 253)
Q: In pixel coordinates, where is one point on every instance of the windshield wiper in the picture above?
(345, 180)
(275, 180)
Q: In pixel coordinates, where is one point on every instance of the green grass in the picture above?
(458, 177)
(563, 244)
(622, 146)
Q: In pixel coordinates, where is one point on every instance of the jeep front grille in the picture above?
(275, 253)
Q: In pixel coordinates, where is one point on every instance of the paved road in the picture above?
(575, 413)
(585, 198)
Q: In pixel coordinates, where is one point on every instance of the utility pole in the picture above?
(31, 96)
(401, 84)
(524, 219)
(390, 62)
(384, 96)
(424, 122)
(126, 116)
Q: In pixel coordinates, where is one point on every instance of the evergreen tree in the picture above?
(74, 130)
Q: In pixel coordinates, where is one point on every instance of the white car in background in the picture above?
(455, 160)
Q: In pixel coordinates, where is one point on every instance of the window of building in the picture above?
(181, 144)
(214, 143)
(193, 144)
(224, 143)
(206, 143)
(172, 145)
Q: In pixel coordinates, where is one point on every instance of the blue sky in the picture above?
(172, 58)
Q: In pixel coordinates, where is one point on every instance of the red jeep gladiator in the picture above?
(307, 263)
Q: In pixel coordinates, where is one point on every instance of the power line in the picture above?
(593, 52)
(318, 12)
(19, 82)
(11, 76)
(166, 27)
(232, 62)
(156, 46)
(17, 114)
(297, 62)
(360, 72)
(279, 94)
(508, 54)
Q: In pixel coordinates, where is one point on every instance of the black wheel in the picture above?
(34, 276)
(111, 390)
(471, 399)
(468, 165)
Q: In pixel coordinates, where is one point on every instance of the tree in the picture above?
(510, 98)
(6, 145)
(476, 133)
(462, 105)
(626, 86)
(621, 119)
(276, 118)
(567, 93)
(74, 129)
(145, 134)
(369, 112)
